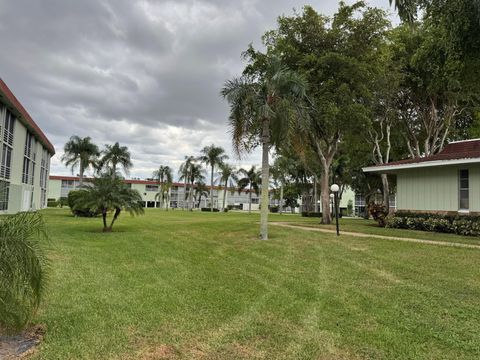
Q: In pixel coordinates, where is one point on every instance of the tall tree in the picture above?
(164, 178)
(338, 58)
(114, 155)
(251, 179)
(200, 191)
(195, 176)
(262, 106)
(212, 156)
(80, 152)
(184, 173)
(228, 177)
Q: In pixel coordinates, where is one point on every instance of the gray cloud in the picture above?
(145, 73)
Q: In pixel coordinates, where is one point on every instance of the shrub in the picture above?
(274, 209)
(73, 201)
(311, 214)
(52, 203)
(379, 213)
(455, 224)
(23, 267)
(209, 209)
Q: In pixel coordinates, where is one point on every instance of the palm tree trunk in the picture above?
(224, 194)
(104, 217)
(250, 199)
(114, 170)
(184, 194)
(115, 216)
(265, 180)
(211, 190)
(80, 177)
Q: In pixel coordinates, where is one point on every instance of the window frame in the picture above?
(463, 190)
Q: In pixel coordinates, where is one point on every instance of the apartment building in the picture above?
(25, 154)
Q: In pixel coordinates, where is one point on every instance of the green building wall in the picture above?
(435, 189)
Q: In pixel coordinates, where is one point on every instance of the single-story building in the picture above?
(445, 183)
(25, 154)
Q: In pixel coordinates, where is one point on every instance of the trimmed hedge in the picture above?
(452, 224)
(311, 214)
(208, 209)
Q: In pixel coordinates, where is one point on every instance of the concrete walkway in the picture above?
(421, 241)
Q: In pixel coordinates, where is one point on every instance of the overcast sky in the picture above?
(144, 73)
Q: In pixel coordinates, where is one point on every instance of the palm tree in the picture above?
(80, 152)
(114, 155)
(200, 191)
(184, 172)
(212, 156)
(228, 174)
(110, 194)
(252, 179)
(164, 178)
(281, 168)
(195, 176)
(261, 109)
(23, 268)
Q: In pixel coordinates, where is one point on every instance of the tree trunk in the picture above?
(280, 206)
(114, 170)
(315, 195)
(265, 180)
(211, 191)
(386, 192)
(224, 194)
(80, 178)
(115, 216)
(184, 194)
(325, 196)
(250, 199)
(104, 217)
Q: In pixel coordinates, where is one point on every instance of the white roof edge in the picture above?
(461, 141)
(420, 165)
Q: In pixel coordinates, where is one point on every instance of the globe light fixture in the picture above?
(334, 189)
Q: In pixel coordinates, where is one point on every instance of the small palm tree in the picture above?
(261, 110)
(196, 176)
(109, 194)
(80, 152)
(114, 155)
(200, 191)
(212, 156)
(23, 268)
(251, 179)
(228, 176)
(184, 173)
(164, 178)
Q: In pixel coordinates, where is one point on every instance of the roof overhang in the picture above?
(392, 168)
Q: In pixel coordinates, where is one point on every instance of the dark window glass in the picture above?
(463, 190)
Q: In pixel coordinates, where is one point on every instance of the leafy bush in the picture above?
(311, 214)
(379, 213)
(73, 200)
(52, 203)
(455, 224)
(23, 267)
(208, 209)
(274, 209)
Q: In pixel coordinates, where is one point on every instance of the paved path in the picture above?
(421, 241)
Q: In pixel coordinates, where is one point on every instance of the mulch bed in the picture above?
(21, 345)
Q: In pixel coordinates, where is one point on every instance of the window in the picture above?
(29, 159)
(8, 122)
(8, 128)
(44, 167)
(4, 192)
(151, 187)
(463, 189)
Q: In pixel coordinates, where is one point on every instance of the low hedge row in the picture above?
(453, 224)
(311, 214)
(208, 209)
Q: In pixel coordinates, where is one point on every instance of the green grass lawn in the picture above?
(199, 285)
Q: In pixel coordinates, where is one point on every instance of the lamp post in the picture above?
(334, 189)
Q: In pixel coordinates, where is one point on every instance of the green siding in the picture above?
(436, 188)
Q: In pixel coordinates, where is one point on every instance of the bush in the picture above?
(455, 224)
(379, 213)
(72, 200)
(274, 209)
(52, 203)
(209, 209)
(23, 265)
(311, 214)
